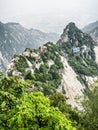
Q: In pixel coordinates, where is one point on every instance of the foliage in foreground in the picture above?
(90, 105)
(24, 110)
(21, 110)
(35, 113)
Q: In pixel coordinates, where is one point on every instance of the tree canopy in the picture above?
(35, 113)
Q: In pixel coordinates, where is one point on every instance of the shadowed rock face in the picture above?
(14, 39)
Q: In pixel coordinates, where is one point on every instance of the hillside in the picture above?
(14, 38)
(68, 66)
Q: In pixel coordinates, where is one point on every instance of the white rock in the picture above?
(71, 84)
(50, 63)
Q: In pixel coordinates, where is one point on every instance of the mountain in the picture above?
(14, 39)
(68, 66)
(92, 30)
(94, 34)
(88, 28)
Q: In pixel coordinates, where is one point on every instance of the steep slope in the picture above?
(68, 66)
(71, 84)
(14, 39)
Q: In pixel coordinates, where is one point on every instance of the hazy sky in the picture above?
(49, 15)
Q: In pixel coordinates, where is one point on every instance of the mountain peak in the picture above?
(73, 39)
(70, 32)
(71, 24)
(71, 27)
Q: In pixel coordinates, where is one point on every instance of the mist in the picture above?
(49, 15)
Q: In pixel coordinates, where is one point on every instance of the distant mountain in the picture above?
(94, 34)
(68, 66)
(92, 30)
(14, 39)
(88, 28)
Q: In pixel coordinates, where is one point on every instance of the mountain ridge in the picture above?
(14, 38)
(68, 66)
(90, 26)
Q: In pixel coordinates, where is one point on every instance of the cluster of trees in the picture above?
(21, 109)
(79, 62)
(21, 64)
(83, 66)
(47, 78)
(24, 110)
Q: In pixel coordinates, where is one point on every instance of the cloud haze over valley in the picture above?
(49, 15)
